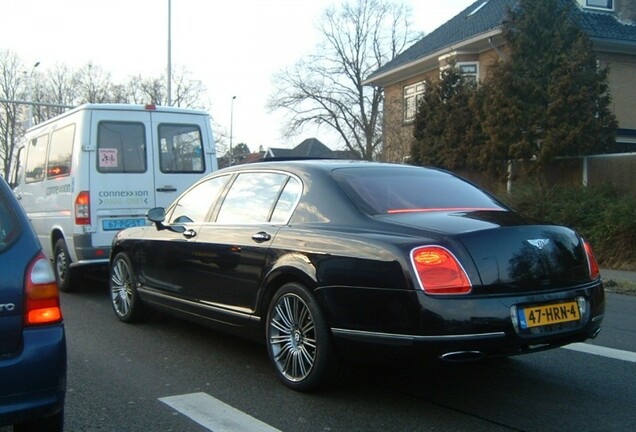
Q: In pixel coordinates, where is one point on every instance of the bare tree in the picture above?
(186, 90)
(12, 88)
(326, 87)
(93, 84)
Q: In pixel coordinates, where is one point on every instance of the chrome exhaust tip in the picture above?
(462, 356)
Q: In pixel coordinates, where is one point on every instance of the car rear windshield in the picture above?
(401, 189)
(9, 226)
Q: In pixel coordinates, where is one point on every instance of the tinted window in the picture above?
(399, 189)
(286, 201)
(121, 147)
(60, 152)
(181, 149)
(9, 226)
(194, 205)
(36, 159)
(251, 198)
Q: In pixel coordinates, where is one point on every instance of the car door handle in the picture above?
(189, 233)
(261, 237)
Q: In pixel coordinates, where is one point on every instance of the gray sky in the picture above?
(234, 46)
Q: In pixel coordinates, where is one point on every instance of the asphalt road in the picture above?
(118, 373)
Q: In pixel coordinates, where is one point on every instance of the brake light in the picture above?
(595, 273)
(42, 298)
(83, 208)
(439, 272)
(150, 107)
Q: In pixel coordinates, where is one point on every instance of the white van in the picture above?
(99, 168)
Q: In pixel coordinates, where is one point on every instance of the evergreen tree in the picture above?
(549, 98)
(445, 129)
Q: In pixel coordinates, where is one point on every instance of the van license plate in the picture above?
(535, 316)
(120, 224)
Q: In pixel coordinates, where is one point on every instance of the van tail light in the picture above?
(83, 208)
(591, 262)
(439, 272)
(42, 298)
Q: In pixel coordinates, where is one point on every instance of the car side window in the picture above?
(9, 226)
(251, 198)
(287, 201)
(194, 205)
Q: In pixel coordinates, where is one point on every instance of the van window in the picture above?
(121, 147)
(181, 149)
(60, 152)
(36, 159)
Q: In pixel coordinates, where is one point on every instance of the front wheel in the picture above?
(126, 303)
(298, 340)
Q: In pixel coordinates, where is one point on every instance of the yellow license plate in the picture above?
(535, 316)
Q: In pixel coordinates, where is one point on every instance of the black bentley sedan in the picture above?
(327, 261)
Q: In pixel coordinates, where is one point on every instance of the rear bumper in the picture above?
(453, 328)
(34, 381)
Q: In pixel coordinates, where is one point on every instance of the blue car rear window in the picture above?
(381, 190)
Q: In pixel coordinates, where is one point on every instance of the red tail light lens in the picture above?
(83, 208)
(439, 272)
(42, 304)
(591, 262)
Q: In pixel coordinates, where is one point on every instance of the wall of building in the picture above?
(622, 89)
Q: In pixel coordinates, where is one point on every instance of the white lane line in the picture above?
(603, 351)
(215, 415)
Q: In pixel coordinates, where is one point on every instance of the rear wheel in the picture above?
(126, 303)
(62, 267)
(298, 340)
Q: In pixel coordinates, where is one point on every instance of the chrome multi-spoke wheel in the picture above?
(123, 294)
(292, 337)
(298, 339)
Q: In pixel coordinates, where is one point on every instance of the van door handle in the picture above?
(189, 233)
(261, 237)
(167, 189)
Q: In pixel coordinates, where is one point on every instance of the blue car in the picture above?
(32, 337)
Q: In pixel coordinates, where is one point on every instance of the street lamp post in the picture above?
(169, 68)
(30, 95)
(231, 127)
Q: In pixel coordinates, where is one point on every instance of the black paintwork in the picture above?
(359, 268)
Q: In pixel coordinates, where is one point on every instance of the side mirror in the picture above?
(158, 216)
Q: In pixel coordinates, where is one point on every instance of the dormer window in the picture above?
(600, 4)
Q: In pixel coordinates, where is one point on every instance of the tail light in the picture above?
(439, 272)
(591, 262)
(42, 304)
(83, 208)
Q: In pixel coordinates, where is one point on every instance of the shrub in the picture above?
(602, 215)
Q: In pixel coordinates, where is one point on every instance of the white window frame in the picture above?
(475, 75)
(412, 95)
(608, 7)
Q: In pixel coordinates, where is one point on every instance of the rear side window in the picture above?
(251, 198)
(61, 152)
(36, 159)
(121, 147)
(180, 149)
(9, 225)
(405, 190)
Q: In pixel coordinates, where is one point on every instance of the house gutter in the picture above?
(403, 71)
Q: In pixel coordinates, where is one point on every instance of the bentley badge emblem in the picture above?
(539, 243)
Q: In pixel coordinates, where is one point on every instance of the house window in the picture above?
(469, 70)
(600, 4)
(412, 96)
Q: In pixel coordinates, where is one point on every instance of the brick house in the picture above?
(473, 39)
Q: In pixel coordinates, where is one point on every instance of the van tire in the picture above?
(62, 267)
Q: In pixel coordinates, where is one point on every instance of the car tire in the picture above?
(62, 267)
(54, 423)
(299, 341)
(122, 284)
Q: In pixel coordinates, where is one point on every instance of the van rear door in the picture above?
(183, 152)
(121, 172)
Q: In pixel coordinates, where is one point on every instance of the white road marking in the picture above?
(215, 415)
(603, 351)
